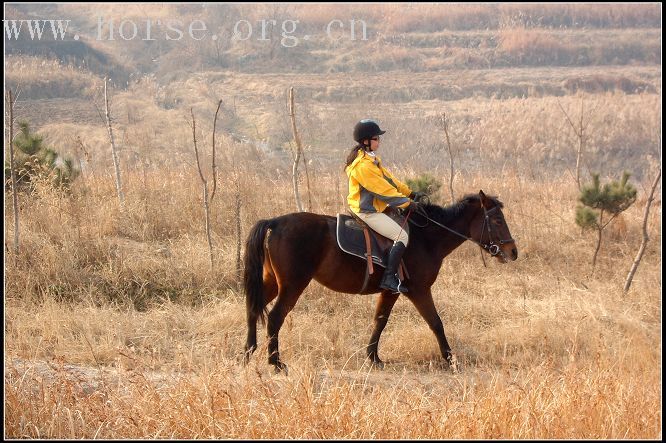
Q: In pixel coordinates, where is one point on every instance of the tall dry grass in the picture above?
(399, 18)
(500, 118)
(394, 17)
(46, 78)
(115, 328)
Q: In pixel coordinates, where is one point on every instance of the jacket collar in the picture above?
(361, 156)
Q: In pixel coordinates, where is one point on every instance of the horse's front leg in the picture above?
(426, 306)
(384, 305)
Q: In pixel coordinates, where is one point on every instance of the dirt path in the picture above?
(91, 379)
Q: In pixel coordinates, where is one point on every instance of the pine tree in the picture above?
(425, 183)
(34, 160)
(600, 201)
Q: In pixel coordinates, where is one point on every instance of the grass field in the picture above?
(141, 340)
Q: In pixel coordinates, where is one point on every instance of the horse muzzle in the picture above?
(504, 253)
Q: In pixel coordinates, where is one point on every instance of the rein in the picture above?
(492, 247)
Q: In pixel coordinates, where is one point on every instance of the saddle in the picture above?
(356, 238)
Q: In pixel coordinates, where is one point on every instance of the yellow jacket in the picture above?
(372, 188)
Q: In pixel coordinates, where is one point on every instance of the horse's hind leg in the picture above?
(287, 297)
(384, 305)
(270, 292)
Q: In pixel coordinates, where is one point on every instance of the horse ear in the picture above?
(484, 199)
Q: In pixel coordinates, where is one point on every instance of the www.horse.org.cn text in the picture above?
(264, 30)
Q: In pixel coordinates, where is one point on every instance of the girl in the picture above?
(372, 189)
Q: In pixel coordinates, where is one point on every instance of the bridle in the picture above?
(493, 247)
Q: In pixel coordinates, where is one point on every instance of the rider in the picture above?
(371, 190)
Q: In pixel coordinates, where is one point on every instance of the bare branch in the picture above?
(206, 199)
(646, 238)
(196, 150)
(445, 124)
(299, 149)
(116, 165)
(580, 134)
(99, 111)
(12, 167)
(307, 180)
(573, 126)
(214, 166)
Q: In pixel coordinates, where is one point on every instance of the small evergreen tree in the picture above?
(34, 160)
(425, 183)
(600, 201)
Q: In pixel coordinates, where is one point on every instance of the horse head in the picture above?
(489, 229)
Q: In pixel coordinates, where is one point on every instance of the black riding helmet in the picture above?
(366, 129)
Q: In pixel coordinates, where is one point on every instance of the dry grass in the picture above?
(500, 118)
(526, 44)
(547, 349)
(399, 18)
(46, 78)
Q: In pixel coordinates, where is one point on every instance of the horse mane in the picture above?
(451, 212)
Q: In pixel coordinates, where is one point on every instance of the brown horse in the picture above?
(285, 253)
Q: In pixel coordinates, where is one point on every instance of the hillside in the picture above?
(294, 38)
(507, 75)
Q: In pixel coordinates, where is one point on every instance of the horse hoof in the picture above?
(249, 350)
(454, 365)
(378, 364)
(281, 368)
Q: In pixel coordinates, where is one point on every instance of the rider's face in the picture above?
(374, 143)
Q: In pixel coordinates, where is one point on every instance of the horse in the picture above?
(283, 254)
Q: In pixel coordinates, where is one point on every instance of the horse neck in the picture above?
(444, 241)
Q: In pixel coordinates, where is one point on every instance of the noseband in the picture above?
(491, 247)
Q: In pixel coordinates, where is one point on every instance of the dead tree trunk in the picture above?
(299, 150)
(307, 179)
(114, 153)
(580, 133)
(581, 143)
(445, 125)
(646, 238)
(206, 199)
(214, 166)
(10, 109)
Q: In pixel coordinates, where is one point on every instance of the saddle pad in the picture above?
(352, 240)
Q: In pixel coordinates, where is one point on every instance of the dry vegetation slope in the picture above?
(426, 59)
(115, 328)
(547, 349)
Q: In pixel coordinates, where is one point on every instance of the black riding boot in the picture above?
(390, 278)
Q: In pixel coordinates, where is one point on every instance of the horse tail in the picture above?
(253, 281)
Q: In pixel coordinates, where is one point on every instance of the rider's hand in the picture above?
(415, 206)
(417, 196)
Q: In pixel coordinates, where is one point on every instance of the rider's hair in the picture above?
(353, 154)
